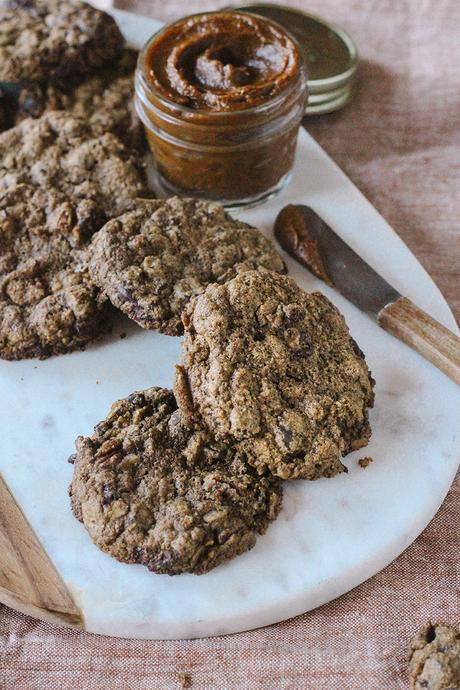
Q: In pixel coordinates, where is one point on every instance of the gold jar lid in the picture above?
(330, 55)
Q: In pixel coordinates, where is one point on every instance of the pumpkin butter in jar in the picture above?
(221, 96)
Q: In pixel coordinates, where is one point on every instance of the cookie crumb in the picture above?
(365, 462)
(435, 658)
(123, 336)
(185, 680)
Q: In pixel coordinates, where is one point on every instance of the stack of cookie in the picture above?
(76, 165)
(271, 386)
(64, 171)
(150, 486)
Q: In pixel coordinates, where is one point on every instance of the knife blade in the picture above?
(310, 240)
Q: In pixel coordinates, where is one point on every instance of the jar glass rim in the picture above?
(260, 108)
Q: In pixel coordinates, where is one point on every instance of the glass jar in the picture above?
(237, 155)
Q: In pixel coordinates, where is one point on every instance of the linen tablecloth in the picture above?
(398, 141)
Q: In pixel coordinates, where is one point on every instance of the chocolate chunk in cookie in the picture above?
(273, 369)
(153, 259)
(105, 100)
(151, 490)
(435, 658)
(96, 174)
(3, 113)
(55, 40)
(48, 303)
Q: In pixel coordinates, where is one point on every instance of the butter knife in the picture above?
(306, 237)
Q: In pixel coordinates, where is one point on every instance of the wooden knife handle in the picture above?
(420, 331)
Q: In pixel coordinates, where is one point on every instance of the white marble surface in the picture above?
(331, 535)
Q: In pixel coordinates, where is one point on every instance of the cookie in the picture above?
(105, 100)
(435, 658)
(96, 174)
(273, 369)
(55, 40)
(48, 303)
(153, 259)
(151, 490)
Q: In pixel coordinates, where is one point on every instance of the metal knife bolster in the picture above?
(304, 235)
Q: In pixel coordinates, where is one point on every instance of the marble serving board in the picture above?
(332, 534)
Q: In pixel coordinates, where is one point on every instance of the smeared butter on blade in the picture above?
(307, 238)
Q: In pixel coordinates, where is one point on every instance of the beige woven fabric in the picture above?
(399, 142)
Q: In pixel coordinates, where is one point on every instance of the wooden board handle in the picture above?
(29, 582)
(420, 331)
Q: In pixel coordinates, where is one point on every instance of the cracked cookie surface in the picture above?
(96, 174)
(435, 658)
(153, 259)
(274, 369)
(104, 100)
(48, 303)
(151, 490)
(55, 40)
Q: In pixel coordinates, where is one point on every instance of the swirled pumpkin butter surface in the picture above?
(221, 62)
